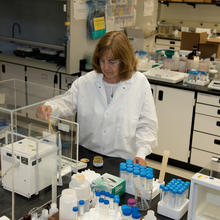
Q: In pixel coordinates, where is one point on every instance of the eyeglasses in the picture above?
(111, 62)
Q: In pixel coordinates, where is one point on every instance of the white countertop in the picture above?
(31, 63)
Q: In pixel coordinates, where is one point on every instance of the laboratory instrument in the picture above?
(205, 193)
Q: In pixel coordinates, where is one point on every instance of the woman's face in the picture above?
(110, 68)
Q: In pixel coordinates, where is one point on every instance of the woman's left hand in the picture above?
(140, 161)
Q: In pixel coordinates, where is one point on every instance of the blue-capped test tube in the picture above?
(81, 207)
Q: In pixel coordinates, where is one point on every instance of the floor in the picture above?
(171, 169)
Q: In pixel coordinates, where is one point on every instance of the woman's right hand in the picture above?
(44, 112)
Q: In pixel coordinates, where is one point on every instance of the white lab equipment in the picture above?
(26, 179)
(205, 193)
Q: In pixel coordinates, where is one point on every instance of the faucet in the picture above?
(15, 24)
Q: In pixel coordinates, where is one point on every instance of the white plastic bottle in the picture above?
(44, 214)
(175, 59)
(68, 199)
(150, 215)
(82, 188)
(53, 209)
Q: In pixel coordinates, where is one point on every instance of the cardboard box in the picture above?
(189, 39)
(109, 183)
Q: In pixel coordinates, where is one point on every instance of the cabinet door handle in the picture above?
(172, 42)
(218, 123)
(160, 95)
(216, 141)
(172, 48)
(218, 112)
(3, 68)
(152, 91)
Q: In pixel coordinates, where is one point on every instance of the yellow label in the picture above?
(99, 23)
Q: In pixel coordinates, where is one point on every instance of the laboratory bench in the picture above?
(111, 165)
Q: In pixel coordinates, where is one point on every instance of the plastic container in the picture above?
(53, 209)
(150, 215)
(82, 188)
(68, 199)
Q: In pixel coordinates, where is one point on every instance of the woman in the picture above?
(114, 103)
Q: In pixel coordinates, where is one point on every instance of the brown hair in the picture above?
(120, 47)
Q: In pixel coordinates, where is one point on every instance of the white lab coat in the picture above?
(127, 127)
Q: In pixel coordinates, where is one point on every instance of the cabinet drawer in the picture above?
(201, 158)
(208, 110)
(207, 124)
(168, 42)
(208, 99)
(206, 142)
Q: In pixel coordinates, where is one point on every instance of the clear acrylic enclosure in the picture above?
(35, 154)
(205, 193)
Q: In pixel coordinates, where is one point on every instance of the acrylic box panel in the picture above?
(26, 170)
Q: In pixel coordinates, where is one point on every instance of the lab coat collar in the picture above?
(100, 79)
(123, 86)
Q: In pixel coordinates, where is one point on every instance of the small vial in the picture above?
(97, 195)
(75, 213)
(102, 194)
(81, 207)
(136, 179)
(123, 172)
(149, 182)
(101, 203)
(106, 207)
(136, 215)
(143, 180)
(162, 193)
(116, 204)
(129, 183)
(111, 201)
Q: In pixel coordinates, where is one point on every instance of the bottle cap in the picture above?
(134, 209)
(81, 202)
(98, 193)
(129, 161)
(75, 209)
(131, 202)
(101, 200)
(106, 202)
(136, 215)
(126, 211)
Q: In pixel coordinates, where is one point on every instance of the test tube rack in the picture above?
(174, 213)
(148, 195)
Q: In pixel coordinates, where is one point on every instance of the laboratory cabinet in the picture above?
(206, 132)
(174, 111)
(167, 44)
(43, 77)
(11, 71)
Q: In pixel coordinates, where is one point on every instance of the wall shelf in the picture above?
(193, 4)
